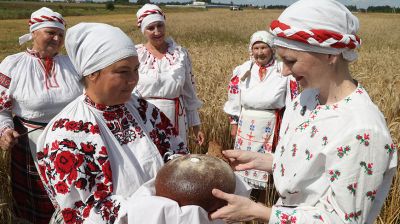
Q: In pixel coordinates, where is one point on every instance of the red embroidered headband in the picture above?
(44, 18)
(149, 12)
(318, 37)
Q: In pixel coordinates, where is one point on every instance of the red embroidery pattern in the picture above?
(371, 195)
(363, 139)
(334, 175)
(352, 215)
(318, 37)
(5, 101)
(285, 218)
(85, 167)
(5, 80)
(234, 85)
(76, 126)
(352, 188)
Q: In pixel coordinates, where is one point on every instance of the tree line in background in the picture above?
(353, 8)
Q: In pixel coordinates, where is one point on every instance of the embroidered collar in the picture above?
(36, 54)
(102, 107)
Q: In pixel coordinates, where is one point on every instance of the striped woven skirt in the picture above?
(31, 202)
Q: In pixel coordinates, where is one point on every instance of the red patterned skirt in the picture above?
(31, 202)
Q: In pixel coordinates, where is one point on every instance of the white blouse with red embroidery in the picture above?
(169, 77)
(334, 163)
(92, 157)
(35, 90)
(272, 92)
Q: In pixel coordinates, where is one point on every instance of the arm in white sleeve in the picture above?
(233, 107)
(190, 101)
(5, 98)
(359, 168)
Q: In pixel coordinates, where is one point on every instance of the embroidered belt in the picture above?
(178, 108)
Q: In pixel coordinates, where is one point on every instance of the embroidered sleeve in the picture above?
(165, 137)
(359, 168)
(232, 106)
(161, 131)
(75, 168)
(5, 98)
(190, 100)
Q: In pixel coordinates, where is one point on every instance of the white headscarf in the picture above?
(42, 18)
(261, 36)
(323, 26)
(148, 14)
(94, 46)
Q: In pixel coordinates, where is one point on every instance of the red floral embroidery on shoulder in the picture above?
(5, 101)
(5, 80)
(234, 85)
(75, 126)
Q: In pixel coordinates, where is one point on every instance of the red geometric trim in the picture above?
(5, 80)
(148, 12)
(46, 18)
(323, 38)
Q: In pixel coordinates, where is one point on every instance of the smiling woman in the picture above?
(166, 77)
(35, 85)
(332, 131)
(105, 144)
(113, 84)
(257, 95)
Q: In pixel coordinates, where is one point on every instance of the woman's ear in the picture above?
(333, 59)
(94, 76)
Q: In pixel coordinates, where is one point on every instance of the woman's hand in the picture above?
(234, 128)
(9, 139)
(239, 209)
(247, 160)
(199, 135)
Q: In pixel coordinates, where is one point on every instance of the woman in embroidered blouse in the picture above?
(166, 78)
(335, 159)
(105, 144)
(257, 94)
(34, 86)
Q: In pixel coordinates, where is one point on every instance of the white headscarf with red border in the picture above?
(43, 18)
(323, 26)
(148, 14)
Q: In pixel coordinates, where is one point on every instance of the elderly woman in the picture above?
(35, 85)
(257, 94)
(166, 78)
(335, 159)
(104, 145)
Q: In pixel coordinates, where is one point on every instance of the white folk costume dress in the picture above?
(92, 157)
(254, 105)
(334, 163)
(31, 94)
(169, 84)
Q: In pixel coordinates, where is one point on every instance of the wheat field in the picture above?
(217, 40)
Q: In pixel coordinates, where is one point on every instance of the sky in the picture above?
(358, 3)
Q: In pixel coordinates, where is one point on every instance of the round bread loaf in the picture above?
(190, 179)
